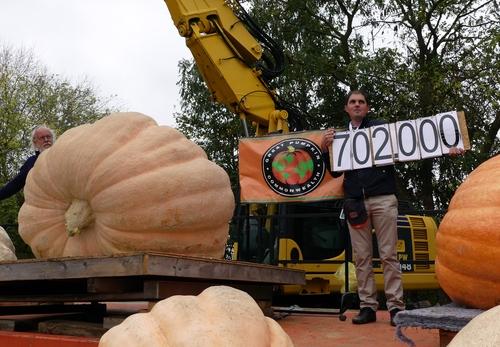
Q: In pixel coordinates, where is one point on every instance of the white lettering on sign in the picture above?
(385, 144)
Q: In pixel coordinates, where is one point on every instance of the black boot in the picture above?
(393, 314)
(366, 315)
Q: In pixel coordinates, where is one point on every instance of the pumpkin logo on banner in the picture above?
(293, 167)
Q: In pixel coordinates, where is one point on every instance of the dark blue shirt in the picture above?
(17, 183)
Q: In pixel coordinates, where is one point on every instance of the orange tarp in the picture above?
(285, 168)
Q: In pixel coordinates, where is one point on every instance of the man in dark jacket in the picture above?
(41, 139)
(374, 190)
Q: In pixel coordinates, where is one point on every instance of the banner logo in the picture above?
(293, 167)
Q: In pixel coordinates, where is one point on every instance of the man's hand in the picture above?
(327, 139)
(456, 151)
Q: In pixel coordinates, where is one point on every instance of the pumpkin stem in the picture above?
(78, 216)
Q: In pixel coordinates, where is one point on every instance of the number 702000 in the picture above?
(401, 141)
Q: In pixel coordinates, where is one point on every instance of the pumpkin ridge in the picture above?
(174, 192)
(34, 177)
(117, 239)
(181, 203)
(48, 250)
(461, 234)
(475, 197)
(124, 149)
(467, 292)
(48, 222)
(133, 136)
(159, 165)
(178, 233)
(471, 267)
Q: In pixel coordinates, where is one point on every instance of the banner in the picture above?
(285, 168)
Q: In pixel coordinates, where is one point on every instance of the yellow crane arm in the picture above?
(226, 53)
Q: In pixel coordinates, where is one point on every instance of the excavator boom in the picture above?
(226, 54)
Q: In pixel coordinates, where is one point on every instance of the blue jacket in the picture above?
(372, 181)
(17, 183)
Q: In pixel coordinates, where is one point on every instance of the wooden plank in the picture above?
(19, 339)
(29, 322)
(147, 264)
(92, 309)
(165, 289)
(77, 267)
(463, 129)
(221, 269)
(138, 296)
(71, 328)
(445, 337)
(115, 285)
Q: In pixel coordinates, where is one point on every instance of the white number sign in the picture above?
(407, 140)
(342, 151)
(382, 146)
(449, 131)
(361, 149)
(426, 137)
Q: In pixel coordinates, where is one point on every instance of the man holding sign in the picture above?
(370, 203)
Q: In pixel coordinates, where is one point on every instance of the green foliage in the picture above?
(208, 124)
(30, 96)
(415, 59)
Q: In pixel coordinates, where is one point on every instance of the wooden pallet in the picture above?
(80, 285)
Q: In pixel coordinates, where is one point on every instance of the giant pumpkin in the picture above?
(125, 184)
(7, 249)
(482, 331)
(468, 240)
(220, 316)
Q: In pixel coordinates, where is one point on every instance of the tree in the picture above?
(30, 96)
(442, 55)
(210, 125)
(217, 130)
(447, 47)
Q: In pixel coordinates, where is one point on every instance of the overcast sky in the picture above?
(128, 48)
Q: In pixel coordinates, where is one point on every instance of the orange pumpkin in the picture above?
(220, 316)
(125, 184)
(468, 240)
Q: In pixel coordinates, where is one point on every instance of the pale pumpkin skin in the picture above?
(468, 240)
(125, 184)
(482, 331)
(7, 249)
(220, 316)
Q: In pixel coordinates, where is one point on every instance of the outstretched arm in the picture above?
(17, 183)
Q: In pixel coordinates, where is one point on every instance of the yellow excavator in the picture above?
(237, 61)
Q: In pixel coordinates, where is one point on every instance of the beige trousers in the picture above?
(382, 216)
